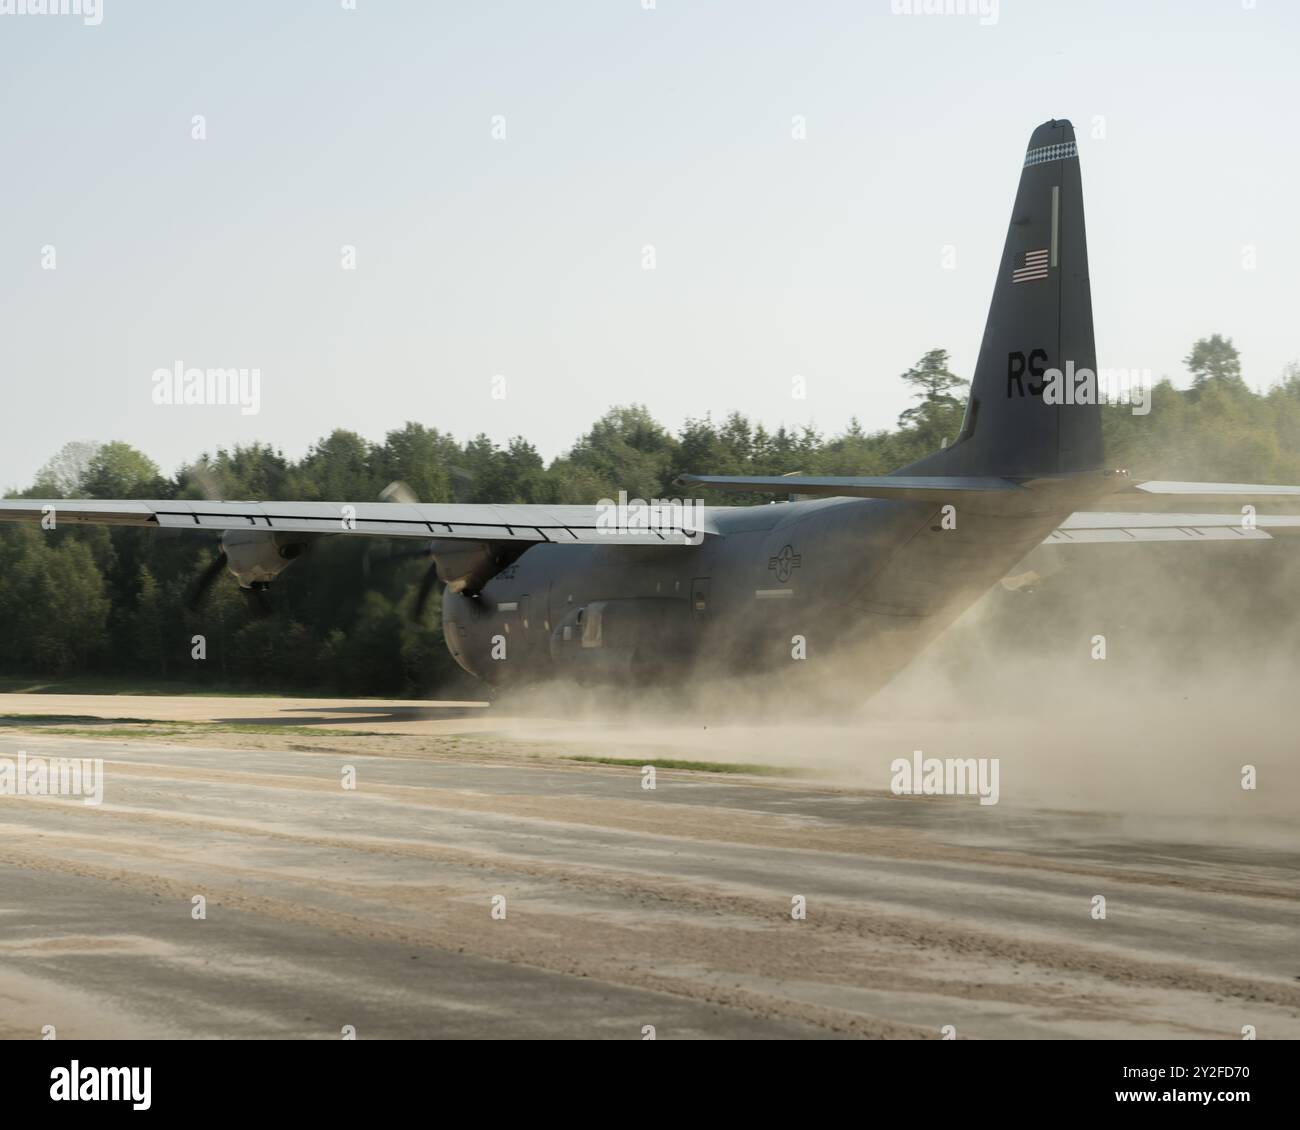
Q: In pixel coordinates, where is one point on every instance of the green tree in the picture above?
(932, 383)
(337, 468)
(53, 606)
(1215, 359)
(65, 473)
(118, 470)
(419, 457)
(626, 449)
(255, 471)
(149, 626)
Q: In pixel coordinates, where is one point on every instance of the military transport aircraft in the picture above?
(884, 562)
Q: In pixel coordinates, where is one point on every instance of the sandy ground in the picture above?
(624, 907)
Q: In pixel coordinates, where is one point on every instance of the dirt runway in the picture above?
(474, 883)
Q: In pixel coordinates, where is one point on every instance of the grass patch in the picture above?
(92, 684)
(693, 766)
(125, 734)
(89, 726)
(60, 719)
(103, 684)
(109, 732)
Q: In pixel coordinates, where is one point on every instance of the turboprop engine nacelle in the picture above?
(257, 557)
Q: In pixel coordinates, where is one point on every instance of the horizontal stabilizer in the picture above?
(903, 488)
(1154, 496)
(1215, 492)
(1110, 527)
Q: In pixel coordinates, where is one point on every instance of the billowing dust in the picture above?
(1145, 736)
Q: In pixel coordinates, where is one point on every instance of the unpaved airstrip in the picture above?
(275, 868)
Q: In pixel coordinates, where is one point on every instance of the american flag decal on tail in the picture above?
(1034, 267)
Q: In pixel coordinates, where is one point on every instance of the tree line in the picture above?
(112, 603)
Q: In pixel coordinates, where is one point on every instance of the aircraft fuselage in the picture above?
(784, 583)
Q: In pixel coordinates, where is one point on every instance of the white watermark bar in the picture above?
(946, 776)
(59, 776)
(985, 10)
(1112, 387)
(206, 387)
(90, 11)
(678, 519)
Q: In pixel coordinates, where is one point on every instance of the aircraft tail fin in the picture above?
(1016, 425)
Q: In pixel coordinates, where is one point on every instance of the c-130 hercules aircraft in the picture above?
(879, 564)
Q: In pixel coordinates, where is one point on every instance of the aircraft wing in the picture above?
(444, 521)
(1156, 495)
(1100, 527)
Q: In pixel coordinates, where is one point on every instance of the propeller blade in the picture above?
(205, 581)
(397, 491)
(427, 582)
(370, 561)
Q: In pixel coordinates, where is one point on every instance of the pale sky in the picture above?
(624, 127)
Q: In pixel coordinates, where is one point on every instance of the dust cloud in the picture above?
(1197, 687)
